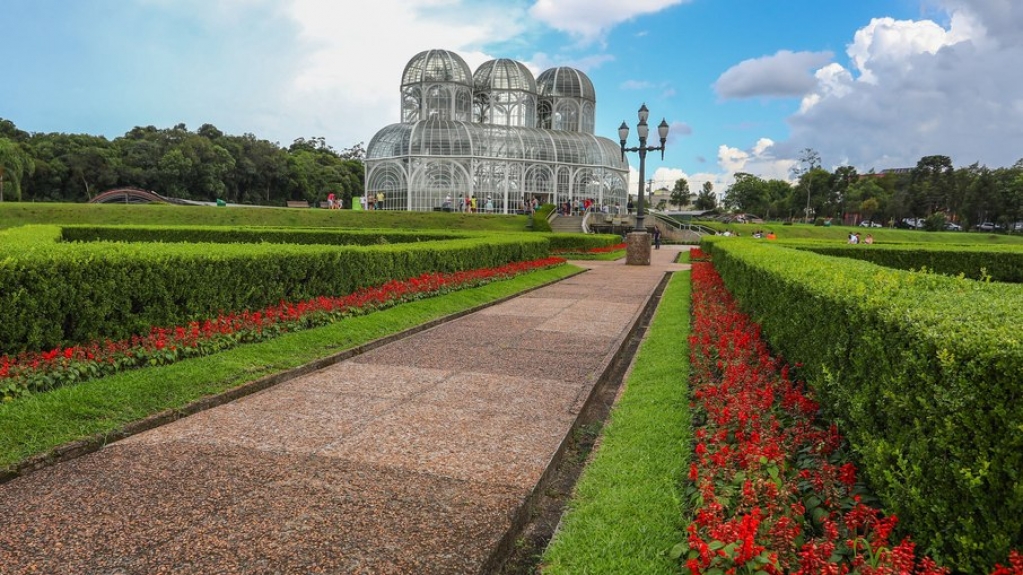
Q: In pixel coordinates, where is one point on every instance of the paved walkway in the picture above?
(416, 457)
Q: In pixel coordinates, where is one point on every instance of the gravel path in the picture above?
(417, 457)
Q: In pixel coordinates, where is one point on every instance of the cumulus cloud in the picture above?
(784, 74)
(910, 88)
(915, 88)
(588, 20)
(335, 76)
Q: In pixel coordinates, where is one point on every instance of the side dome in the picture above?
(503, 74)
(436, 84)
(430, 66)
(565, 82)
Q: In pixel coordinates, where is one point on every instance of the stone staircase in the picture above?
(567, 224)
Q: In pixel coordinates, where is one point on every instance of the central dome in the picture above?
(503, 74)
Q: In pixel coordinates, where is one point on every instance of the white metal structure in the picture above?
(498, 135)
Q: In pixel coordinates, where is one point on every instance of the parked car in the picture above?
(953, 227)
(910, 224)
(870, 224)
(989, 227)
(1017, 227)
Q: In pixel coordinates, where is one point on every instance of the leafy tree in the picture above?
(14, 165)
(680, 193)
(706, 200)
(932, 185)
(808, 166)
(869, 207)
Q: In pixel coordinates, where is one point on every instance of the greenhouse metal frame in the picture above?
(498, 136)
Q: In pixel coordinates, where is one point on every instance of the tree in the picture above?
(932, 185)
(804, 171)
(680, 193)
(869, 207)
(14, 165)
(706, 200)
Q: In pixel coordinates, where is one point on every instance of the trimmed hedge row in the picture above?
(253, 235)
(998, 263)
(583, 242)
(921, 373)
(57, 294)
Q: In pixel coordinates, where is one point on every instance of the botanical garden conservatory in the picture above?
(499, 135)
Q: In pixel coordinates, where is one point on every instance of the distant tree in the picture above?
(806, 171)
(932, 185)
(680, 193)
(869, 207)
(14, 165)
(706, 200)
(662, 204)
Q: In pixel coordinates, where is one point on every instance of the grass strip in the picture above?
(41, 422)
(625, 514)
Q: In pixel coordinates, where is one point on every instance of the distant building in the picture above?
(498, 134)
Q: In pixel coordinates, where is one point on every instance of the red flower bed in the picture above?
(38, 371)
(772, 490)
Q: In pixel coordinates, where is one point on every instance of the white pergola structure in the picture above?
(499, 135)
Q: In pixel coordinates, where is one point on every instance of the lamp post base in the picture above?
(637, 249)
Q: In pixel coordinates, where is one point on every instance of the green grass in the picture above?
(625, 515)
(38, 423)
(604, 257)
(13, 214)
(881, 235)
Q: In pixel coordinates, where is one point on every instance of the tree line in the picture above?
(933, 191)
(204, 165)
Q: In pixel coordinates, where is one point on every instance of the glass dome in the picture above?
(504, 94)
(565, 82)
(567, 101)
(498, 135)
(431, 66)
(503, 74)
(436, 84)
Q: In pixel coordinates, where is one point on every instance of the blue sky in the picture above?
(745, 84)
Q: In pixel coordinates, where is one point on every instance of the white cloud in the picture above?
(350, 64)
(588, 20)
(785, 74)
(917, 88)
(887, 43)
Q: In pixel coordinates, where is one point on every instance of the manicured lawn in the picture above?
(14, 214)
(625, 514)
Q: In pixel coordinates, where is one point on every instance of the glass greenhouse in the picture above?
(500, 136)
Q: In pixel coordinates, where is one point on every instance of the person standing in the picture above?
(657, 238)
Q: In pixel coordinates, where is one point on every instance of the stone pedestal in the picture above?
(637, 249)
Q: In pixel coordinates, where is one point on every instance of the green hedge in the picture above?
(583, 242)
(921, 373)
(60, 294)
(997, 263)
(253, 235)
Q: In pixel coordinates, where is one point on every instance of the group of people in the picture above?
(469, 204)
(373, 202)
(854, 238)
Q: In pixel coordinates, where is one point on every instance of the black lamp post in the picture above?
(643, 130)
